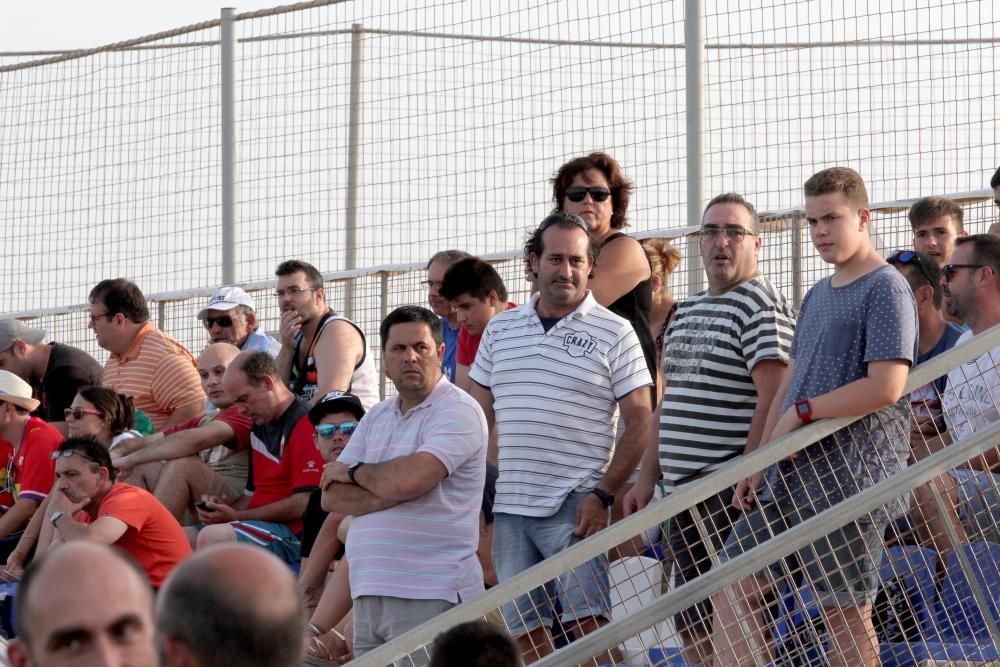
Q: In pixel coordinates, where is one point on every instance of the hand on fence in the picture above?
(746, 491)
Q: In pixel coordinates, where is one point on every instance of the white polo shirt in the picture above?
(555, 397)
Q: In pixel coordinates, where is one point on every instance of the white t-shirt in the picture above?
(973, 394)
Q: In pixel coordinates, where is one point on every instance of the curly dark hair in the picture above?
(621, 187)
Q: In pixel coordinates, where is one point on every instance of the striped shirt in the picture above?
(712, 346)
(424, 548)
(157, 372)
(555, 395)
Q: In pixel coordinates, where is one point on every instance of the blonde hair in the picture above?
(663, 257)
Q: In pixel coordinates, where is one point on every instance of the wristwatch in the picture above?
(804, 409)
(607, 499)
(56, 516)
(352, 470)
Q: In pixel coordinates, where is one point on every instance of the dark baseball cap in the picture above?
(336, 401)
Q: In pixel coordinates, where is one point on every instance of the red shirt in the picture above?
(153, 537)
(232, 416)
(30, 472)
(468, 344)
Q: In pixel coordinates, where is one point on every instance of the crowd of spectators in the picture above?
(159, 500)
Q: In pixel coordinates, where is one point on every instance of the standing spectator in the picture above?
(54, 371)
(418, 458)
(145, 363)
(663, 259)
(26, 444)
(230, 605)
(594, 188)
(855, 341)
(320, 350)
(437, 266)
(230, 317)
(725, 356)
(995, 185)
(284, 463)
(84, 605)
(551, 374)
(89, 504)
(475, 644)
(937, 224)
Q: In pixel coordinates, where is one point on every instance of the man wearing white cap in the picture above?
(54, 371)
(25, 450)
(230, 317)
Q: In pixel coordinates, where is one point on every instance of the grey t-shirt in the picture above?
(839, 331)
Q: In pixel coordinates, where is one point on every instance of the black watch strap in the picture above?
(607, 499)
(352, 470)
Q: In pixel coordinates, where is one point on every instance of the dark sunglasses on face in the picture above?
(949, 269)
(579, 193)
(908, 258)
(223, 321)
(78, 413)
(328, 430)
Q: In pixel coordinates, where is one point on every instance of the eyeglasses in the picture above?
(329, 430)
(908, 257)
(223, 321)
(94, 318)
(731, 233)
(78, 413)
(564, 218)
(293, 291)
(432, 284)
(66, 453)
(949, 269)
(579, 193)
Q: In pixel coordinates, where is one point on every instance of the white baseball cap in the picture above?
(15, 390)
(227, 298)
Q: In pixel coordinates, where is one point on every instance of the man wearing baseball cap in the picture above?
(26, 446)
(230, 317)
(54, 371)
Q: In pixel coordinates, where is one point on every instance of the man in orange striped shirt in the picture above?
(145, 363)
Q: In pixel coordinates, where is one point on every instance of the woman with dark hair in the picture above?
(594, 188)
(102, 413)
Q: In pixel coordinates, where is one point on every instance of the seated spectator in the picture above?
(477, 293)
(437, 266)
(89, 504)
(230, 317)
(54, 371)
(206, 455)
(230, 605)
(145, 363)
(320, 350)
(284, 463)
(84, 604)
(26, 444)
(475, 644)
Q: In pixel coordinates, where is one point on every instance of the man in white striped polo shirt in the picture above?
(550, 375)
(724, 357)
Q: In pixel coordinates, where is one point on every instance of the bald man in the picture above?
(84, 605)
(230, 604)
(207, 455)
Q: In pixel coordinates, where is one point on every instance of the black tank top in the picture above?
(635, 306)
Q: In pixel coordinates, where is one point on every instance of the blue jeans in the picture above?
(520, 542)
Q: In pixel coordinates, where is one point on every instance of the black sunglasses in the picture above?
(949, 269)
(578, 193)
(908, 258)
(223, 321)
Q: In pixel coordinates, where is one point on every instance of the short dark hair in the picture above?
(474, 277)
(986, 251)
(844, 180)
(928, 209)
(533, 244)
(621, 187)
(449, 257)
(97, 454)
(117, 409)
(995, 181)
(922, 271)
(258, 365)
(475, 644)
(313, 276)
(405, 314)
(733, 198)
(120, 295)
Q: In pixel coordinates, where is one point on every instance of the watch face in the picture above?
(802, 408)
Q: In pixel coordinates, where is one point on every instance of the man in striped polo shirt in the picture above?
(551, 375)
(724, 357)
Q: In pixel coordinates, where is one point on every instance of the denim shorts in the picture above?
(520, 542)
(841, 566)
(978, 503)
(275, 537)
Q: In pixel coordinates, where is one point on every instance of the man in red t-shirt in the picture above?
(26, 444)
(477, 292)
(89, 504)
(284, 462)
(207, 455)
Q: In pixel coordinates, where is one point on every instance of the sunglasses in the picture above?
(66, 453)
(223, 321)
(328, 430)
(949, 269)
(78, 413)
(578, 193)
(908, 258)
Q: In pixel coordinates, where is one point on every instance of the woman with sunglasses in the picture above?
(594, 188)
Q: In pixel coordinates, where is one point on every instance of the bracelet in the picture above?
(315, 631)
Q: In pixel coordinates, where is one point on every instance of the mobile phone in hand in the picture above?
(203, 506)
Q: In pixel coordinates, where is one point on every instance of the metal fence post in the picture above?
(797, 284)
(227, 73)
(694, 58)
(353, 167)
